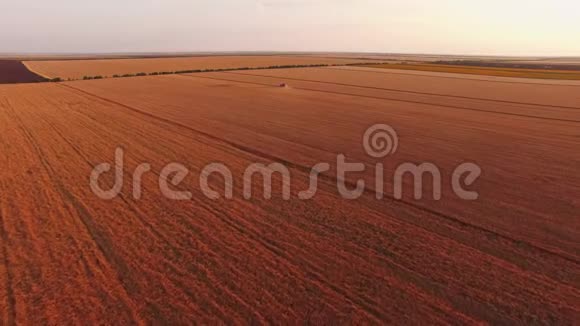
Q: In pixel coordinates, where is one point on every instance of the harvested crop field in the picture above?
(509, 257)
(564, 61)
(77, 69)
(487, 71)
(12, 72)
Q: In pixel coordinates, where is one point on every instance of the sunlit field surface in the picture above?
(67, 256)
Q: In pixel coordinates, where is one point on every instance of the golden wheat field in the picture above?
(489, 71)
(68, 256)
(77, 69)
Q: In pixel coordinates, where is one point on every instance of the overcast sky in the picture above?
(510, 27)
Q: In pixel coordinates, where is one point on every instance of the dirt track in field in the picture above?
(13, 72)
(511, 256)
(77, 69)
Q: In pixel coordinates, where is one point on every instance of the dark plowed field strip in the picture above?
(67, 256)
(14, 72)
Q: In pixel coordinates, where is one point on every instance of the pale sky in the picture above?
(496, 27)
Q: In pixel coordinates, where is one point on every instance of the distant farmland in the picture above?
(77, 69)
(487, 71)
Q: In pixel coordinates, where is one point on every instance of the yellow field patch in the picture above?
(485, 71)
